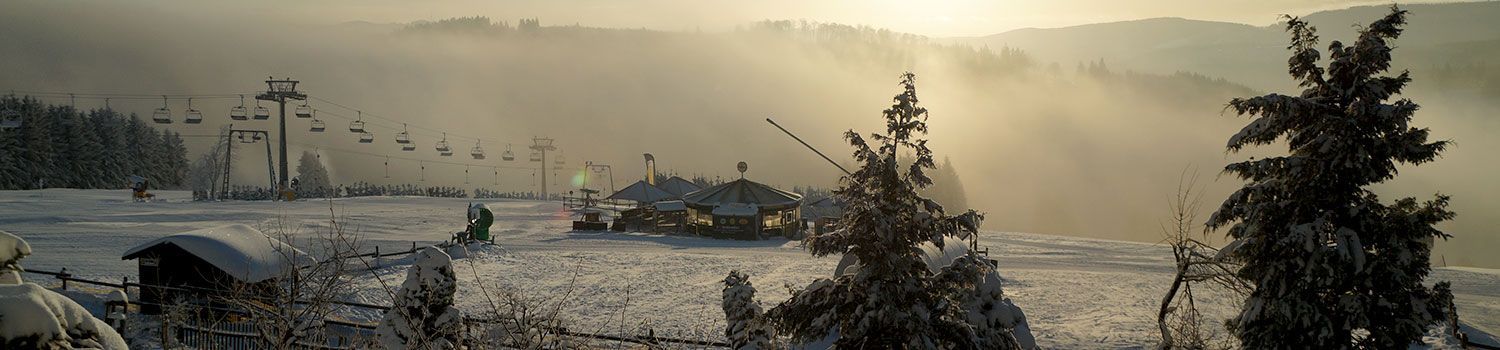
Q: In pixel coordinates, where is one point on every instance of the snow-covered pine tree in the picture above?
(893, 299)
(78, 146)
(37, 156)
(11, 174)
(742, 315)
(312, 177)
(174, 158)
(423, 316)
(1332, 266)
(110, 127)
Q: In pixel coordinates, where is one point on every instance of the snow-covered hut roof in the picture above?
(239, 250)
(640, 191)
(678, 186)
(743, 191)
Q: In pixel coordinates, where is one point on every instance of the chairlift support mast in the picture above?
(542, 145)
(229, 155)
(280, 91)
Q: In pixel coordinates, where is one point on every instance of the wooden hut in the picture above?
(194, 264)
(743, 209)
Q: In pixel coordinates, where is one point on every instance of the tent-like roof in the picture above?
(743, 191)
(239, 250)
(641, 191)
(670, 206)
(678, 186)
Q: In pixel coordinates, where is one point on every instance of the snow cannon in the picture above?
(480, 219)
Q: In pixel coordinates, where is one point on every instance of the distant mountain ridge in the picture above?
(1244, 53)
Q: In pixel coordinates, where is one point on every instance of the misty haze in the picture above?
(782, 174)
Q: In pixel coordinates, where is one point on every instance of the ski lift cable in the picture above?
(119, 96)
(394, 121)
(384, 156)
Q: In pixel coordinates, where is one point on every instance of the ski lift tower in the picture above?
(542, 145)
(280, 91)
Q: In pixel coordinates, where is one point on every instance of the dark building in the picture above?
(191, 265)
(743, 209)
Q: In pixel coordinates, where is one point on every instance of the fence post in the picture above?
(63, 276)
(413, 247)
(377, 256)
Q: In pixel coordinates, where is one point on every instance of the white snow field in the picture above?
(1077, 293)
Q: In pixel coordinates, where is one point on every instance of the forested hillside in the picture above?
(59, 146)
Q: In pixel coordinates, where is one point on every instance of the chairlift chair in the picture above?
(358, 125)
(560, 160)
(10, 119)
(536, 156)
(409, 147)
(477, 152)
(366, 137)
(261, 113)
(304, 111)
(442, 145)
(193, 116)
(403, 137)
(254, 137)
(317, 125)
(507, 156)
(162, 115)
(239, 112)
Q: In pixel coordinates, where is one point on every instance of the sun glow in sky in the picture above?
(941, 18)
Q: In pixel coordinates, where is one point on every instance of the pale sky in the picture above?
(939, 18)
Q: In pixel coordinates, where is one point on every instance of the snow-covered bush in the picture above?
(1332, 266)
(891, 298)
(423, 316)
(32, 317)
(12, 250)
(742, 316)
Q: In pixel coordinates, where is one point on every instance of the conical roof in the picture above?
(641, 191)
(678, 186)
(745, 192)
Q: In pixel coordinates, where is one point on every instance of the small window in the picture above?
(150, 261)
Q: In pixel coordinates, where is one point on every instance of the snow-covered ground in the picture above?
(1077, 293)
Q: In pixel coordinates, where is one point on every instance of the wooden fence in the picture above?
(236, 338)
(243, 336)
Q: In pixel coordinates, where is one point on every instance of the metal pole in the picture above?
(804, 143)
(545, 197)
(272, 170)
(228, 157)
(281, 100)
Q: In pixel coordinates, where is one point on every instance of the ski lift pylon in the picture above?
(162, 115)
(192, 116)
(239, 112)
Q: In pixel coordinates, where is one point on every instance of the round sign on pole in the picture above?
(742, 166)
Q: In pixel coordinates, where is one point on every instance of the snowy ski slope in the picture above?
(1077, 293)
